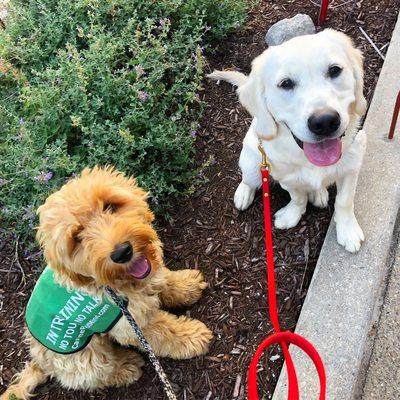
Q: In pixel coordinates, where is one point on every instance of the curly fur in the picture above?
(79, 227)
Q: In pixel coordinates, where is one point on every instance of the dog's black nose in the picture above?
(122, 253)
(324, 122)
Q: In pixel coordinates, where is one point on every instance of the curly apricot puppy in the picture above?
(96, 230)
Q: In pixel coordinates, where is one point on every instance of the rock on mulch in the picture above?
(206, 232)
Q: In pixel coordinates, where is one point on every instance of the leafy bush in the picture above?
(85, 82)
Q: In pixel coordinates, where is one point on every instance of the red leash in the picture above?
(323, 12)
(283, 338)
(394, 117)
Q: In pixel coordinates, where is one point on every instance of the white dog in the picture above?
(306, 97)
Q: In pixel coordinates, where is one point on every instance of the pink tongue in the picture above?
(323, 153)
(139, 268)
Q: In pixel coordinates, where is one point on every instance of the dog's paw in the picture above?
(319, 198)
(128, 369)
(288, 216)
(191, 286)
(183, 288)
(129, 374)
(349, 234)
(244, 196)
(194, 338)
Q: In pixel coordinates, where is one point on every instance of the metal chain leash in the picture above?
(146, 346)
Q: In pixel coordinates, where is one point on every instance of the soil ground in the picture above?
(206, 232)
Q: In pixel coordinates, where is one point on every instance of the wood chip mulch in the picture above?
(206, 232)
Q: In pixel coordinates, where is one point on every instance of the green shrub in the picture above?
(85, 82)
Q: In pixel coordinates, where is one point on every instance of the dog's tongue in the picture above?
(140, 268)
(323, 153)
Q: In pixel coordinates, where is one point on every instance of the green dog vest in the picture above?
(65, 321)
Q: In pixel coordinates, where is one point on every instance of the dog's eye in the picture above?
(110, 207)
(287, 84)
(334, 71)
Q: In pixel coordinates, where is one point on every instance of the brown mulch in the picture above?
(206, 232)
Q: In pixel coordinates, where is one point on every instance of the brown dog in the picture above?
(96, 230)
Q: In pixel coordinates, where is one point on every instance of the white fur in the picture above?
(305, 60)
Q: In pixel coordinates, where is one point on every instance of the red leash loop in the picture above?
(299, 341)
(283, 338)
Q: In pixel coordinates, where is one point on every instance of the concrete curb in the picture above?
(346, 291)
(383, 376)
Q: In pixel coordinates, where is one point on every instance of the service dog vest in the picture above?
(65, 321)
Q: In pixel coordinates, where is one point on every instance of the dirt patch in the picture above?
(206, 232)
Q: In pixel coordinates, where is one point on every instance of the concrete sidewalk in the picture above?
(383, 375)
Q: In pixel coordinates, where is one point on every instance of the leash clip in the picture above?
(265, 164)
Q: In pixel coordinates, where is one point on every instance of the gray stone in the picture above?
(344, 299)
(3, 11)
(288, 28)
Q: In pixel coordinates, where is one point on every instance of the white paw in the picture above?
(349, 234)
(319, 198)
(288, 216)
(244, 196)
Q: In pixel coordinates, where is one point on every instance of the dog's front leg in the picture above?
(169, 335)
(349, 233)
(251, 177)
(182, 288)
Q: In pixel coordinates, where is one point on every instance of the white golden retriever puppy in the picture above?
(306, 97)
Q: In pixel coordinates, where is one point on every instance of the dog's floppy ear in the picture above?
(356, 59)
(58, 240)
(358, 71)
(251, 95)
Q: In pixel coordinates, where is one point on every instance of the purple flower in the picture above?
(143, 96)
(193, 133)
(21, 121)
(163, 22)
(2, 182)
(139, 70)
(29, 213)
(44, 176)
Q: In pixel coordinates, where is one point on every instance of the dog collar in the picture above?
(64, 321)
